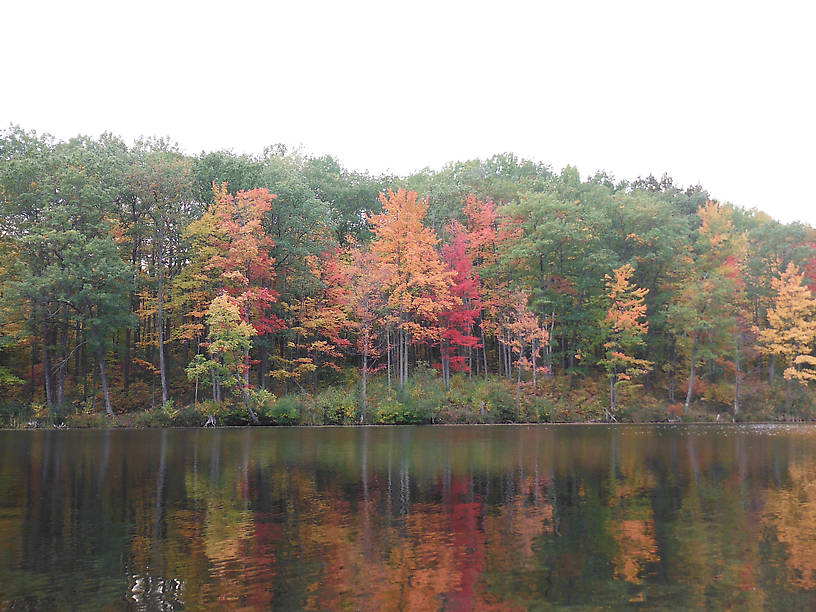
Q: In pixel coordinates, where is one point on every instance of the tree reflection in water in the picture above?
(409, 518)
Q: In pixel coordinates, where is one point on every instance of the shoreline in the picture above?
(423, 425)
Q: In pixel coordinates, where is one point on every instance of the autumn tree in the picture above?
(524, 336)
(483, 241)
(242, 257)
(319, 323)
(489, 238)
(703, 314)
(625, 327)
(229, 338)
(418, 286)
(358, 281)
(458, 322)
(791, 331)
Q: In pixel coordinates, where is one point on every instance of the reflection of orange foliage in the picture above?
(636, 548)
(527, 522)
(634, 529)
(432, 558)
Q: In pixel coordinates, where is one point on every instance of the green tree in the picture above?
(703, 313)
(162, 182)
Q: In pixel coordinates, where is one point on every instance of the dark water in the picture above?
(588, 517)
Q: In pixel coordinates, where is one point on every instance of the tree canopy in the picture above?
(138, 271)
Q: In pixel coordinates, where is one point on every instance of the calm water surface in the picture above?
(515, 517)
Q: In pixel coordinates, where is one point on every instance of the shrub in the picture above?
(542, 410)
(15, 414)
(396, 412)
(285, 411)
(152, 418)
(231, 414)
(188, 417)
(170, 416)
(135, 399)
(337, 406)
(95, 420)
(502, 403)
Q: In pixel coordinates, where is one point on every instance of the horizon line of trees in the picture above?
(136, 271)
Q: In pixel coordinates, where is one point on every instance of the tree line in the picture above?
(137, 275)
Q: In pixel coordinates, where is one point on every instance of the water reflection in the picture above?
(409, 518)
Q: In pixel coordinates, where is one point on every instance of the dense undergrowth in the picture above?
(424, 400)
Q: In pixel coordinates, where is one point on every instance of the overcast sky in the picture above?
(718, 93)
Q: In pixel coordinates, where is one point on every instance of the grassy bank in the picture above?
(424, 400)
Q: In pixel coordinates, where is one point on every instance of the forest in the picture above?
(145, 286)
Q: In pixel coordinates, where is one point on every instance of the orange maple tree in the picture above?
(625, 326)
(419, 282)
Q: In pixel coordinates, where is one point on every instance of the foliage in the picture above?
(285, 411)
(137, 276)
(625, 327)
(791, 331)
(228, 343)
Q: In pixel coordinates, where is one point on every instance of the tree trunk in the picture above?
(245, 394)
(404, 359)
(690, 392)
(737, 377)
(518, 381)
(365, 378)
(671, 384)
(772, 370)
(126, 361)
(246, 367)
(612, 399)
(788, 400)
(563, 347)
(62, 363)
(160, 318)
(672, 358)
(445, 353)
(49, 398)
(484, 348)
(79, 336)
(262, 367)
(533, 356)
(401, 351)
(388, 351)
(550, 369)
(100, 355)
(508, 362)
(253, 417)
(31, 388)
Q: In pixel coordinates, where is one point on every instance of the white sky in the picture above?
(720, 93)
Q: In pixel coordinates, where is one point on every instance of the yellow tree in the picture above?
(419, 282)
(625, 326)
(791, 331)
(198, 283)
(229, 337)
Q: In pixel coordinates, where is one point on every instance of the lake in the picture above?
(383, 518)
